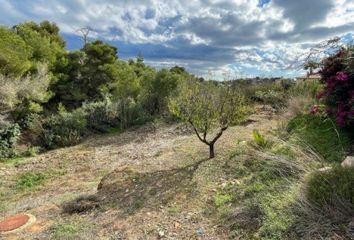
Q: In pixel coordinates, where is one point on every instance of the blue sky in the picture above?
(211, 38)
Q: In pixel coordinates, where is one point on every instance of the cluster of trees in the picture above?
(57, 96)
(39, 77)
(89, 74)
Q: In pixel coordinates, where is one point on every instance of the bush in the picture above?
(100, 116)
(269, 93)
(30, 180)
(137, 115)
(322, 134)
(333, 188)
(68, 128)
(273, 98)
(9, 135)
(337, 73)
(64, 129)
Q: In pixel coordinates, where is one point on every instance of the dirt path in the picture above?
(179, 208)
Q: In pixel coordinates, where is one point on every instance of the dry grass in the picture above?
(156, 179)
(169, 193)
(299, 104)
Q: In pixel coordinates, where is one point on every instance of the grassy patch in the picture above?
(75, 229)
(222, 199)
(261, 205)
(333, 188)
(30, 180)
(330, 141)
(12, 161)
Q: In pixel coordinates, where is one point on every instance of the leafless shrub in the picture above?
(14, 89)
(81, 204)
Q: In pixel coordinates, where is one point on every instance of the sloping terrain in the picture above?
(156, 183)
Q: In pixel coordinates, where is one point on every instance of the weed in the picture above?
(222, 199)
(260, 140)
(75, 229)
(30, 180)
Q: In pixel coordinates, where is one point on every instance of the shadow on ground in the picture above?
(130, 190)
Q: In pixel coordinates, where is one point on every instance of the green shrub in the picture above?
(322, 134)
(270, 93)
(30, 180)
(68, 128)
(8, 137)
(260, 140)
(103, 116)
(64, 129)
(332, 188)
(130, 113)
(222, 199)
(274, 98)
(100, 116)
(32, 151)
(137, 115)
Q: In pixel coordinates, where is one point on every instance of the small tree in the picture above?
(209, 108)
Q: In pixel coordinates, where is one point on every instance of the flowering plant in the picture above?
(337, 74)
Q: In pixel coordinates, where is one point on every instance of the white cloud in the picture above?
(233, 32)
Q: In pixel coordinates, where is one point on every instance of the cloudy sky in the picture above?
(211, 38)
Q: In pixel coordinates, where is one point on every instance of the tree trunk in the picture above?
(211, 151)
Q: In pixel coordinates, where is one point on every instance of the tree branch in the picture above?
(205, 131)
(218, 135)
(196, 132)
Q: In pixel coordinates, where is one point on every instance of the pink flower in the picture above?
(340, 118)
(314, 109)
(341, 76)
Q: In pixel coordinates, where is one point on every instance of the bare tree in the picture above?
(85, 32)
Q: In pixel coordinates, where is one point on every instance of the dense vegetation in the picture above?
(51, 97)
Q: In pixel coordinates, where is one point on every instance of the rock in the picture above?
(348, 162)
(200, 232)
(351, 228)
(161, 234)
(324, 169)
(177, 225)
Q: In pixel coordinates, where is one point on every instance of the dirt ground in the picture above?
(166, 195)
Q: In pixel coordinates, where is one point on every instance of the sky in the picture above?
(216, 39)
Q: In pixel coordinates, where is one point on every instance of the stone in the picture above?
(348, 162)
(13, 222)
(351, 228)
(161, 234)
(200, 232)
(325, 169)
(177, 225)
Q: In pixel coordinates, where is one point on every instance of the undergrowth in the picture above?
(279, 192)
(321, 133)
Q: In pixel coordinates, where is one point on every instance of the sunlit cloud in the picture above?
(239, 37)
